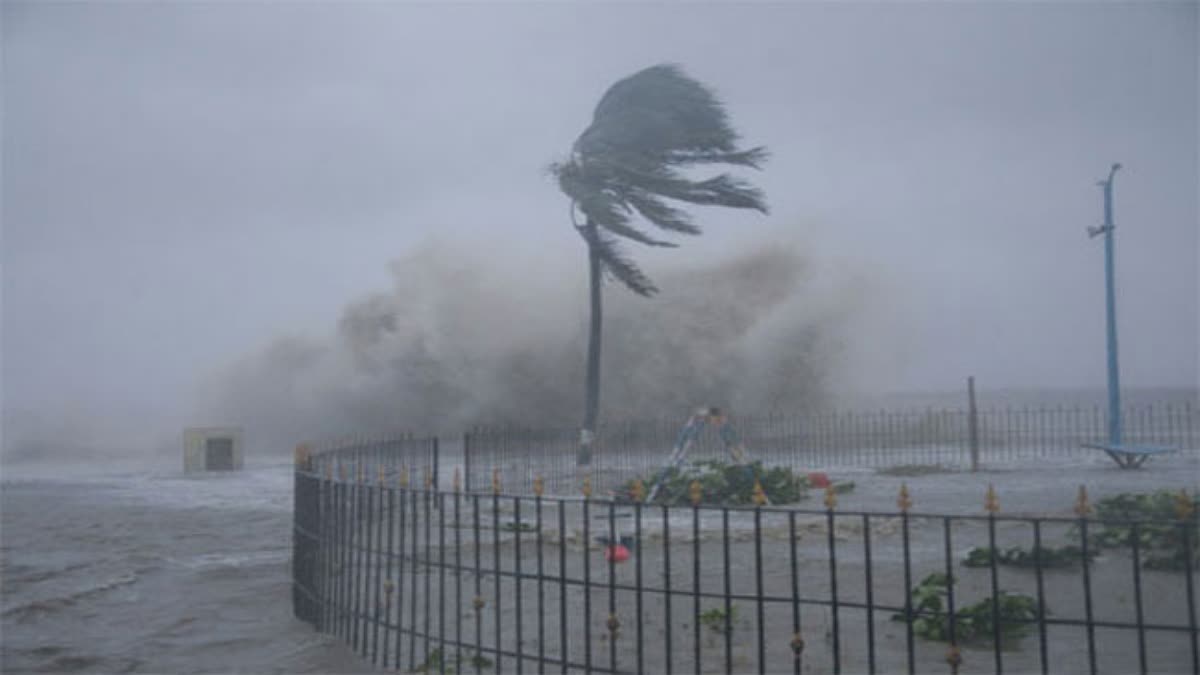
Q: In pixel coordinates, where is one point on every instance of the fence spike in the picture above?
(428, 477)
(638, 492)
(760, 495)
(341, 472)
(358, 471)
(382, 474)
(1082, 506)
(830, 497)
(329, 472)
(695, 491)
(797, 644)
(1184, 507)
(991, 503)
(539, 485)
(495, 481)
(614, 625)
(587, 487)
(954, 658)
(904, 501)
(457, 482)
(404, 476)
(479, 603)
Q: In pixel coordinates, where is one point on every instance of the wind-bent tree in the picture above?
(647, 130)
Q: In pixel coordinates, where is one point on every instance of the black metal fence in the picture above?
(426, 580)
(825, 441)
(385, 456)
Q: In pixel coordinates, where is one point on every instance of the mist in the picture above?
(464, 339)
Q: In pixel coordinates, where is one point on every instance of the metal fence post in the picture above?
(437, 486)
(973, 423)
(466, 451)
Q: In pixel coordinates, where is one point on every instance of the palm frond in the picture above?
(753, 158)
(660, 213)
(617, 264)
(629, 232)
(720, 190)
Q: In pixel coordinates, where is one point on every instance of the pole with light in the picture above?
(1114, 373)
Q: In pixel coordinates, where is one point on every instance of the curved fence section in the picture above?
(425, 580)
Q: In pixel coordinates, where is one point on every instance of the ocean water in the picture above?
(136, 570)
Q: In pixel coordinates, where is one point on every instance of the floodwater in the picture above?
(154, 571)
(143, 571)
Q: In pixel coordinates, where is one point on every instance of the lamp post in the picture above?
(1114, 374)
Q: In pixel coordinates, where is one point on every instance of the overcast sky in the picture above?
(184, 182)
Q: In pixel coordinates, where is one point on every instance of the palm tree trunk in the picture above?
(591, 408)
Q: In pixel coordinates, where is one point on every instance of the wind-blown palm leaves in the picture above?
(647, 130)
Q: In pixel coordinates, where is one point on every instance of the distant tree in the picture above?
(646, 131)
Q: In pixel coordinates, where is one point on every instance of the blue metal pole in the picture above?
(1114, 374)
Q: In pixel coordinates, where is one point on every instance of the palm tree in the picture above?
(646, 131)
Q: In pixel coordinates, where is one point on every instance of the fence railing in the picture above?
(426, 580)
(824, 441)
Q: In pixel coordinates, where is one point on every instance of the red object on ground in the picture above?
(818, 479)
(616, 553)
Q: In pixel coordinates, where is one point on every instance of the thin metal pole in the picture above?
(973, 424)
(833, 591)
(466, 445)
(441, 508)
(952, 619)
(412, 616)
(390, 584)
(1187, 527)
(427, 570)
(1135, 536)
(696, 588)
(562, 584)
(1110, 295)
(728, 590)
(1087, 594)
(637, 562)
(401, 543)
(478, 601)
(666, 539)
(541, 593)
(499, 618)
(797, 644)
(587, 585)
(371, 602)
(992, 563)
(520, 617)
(326, 547)
(347, 576)
(1041, 595)
(356, 559)
(612, 585)
(870, 593)
(758, 588)
(458, 577)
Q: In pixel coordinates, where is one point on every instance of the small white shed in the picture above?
(212, 449)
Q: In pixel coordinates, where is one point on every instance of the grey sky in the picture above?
(183, 182)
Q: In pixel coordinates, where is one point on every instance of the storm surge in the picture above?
(463, 339)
